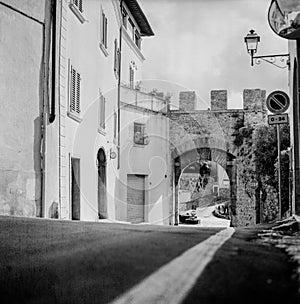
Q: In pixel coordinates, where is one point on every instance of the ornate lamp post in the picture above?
(252, 40)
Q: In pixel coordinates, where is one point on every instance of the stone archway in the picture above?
(102, 198)
(223, 158)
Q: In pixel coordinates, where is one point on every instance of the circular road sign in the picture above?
(278, 102)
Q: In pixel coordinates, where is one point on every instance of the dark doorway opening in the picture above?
(75, 188)
(102, 199)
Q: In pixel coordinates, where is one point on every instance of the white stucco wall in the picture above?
(82, 139)
(21, 91)
(150, 160)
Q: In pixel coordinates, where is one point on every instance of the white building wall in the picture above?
(150, 160)
(80, 46)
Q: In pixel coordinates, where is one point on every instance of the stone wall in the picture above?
(187, 101)
(229, 131)
(218, 100)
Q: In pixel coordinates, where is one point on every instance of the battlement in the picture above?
(253, 100)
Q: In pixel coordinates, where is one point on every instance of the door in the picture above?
(75, 188)
(102, 200)
(135, 198)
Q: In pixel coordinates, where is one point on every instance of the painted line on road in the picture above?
(172, 282)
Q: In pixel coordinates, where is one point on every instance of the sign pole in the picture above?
(278, 168)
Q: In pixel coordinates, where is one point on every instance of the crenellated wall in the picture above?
(227, 134)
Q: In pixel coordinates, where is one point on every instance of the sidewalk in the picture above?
(285, 234)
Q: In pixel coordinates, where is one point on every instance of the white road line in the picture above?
(172, 282)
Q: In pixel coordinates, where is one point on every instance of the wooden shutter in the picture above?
(131, 76)
(73, 90)
(116, 57)
(77, 93)
(102, 112)
(80, 6)
(105, 31)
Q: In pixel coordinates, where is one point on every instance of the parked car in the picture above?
(188, 217)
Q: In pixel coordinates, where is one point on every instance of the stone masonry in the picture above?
(219, 135)
(187, 100)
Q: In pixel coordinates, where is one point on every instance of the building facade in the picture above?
(25, 57)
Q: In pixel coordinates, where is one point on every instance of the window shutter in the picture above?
(73, 90)
(131, 76)
(77, 93)
(80, 6)
(105, 31)
(102, 112)
(116, 57)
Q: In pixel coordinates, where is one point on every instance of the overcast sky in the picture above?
(199, 45)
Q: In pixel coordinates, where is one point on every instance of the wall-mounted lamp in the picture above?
(252, 39)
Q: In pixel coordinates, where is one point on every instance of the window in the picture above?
(131, 77)
(76, 7)
(131, 28)
(139, 134)
(124, 18)
(137, 39)
(74, 102)
(116, 59)
(103, 29)
(78, 4)
(102, 112)
(115, 125)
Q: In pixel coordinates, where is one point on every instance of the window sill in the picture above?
(103, 49)
(102, 131)
(77, 12)
(74, 116)
(139, 145)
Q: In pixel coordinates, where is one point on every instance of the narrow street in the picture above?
(51, 261)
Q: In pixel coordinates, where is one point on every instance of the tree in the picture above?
(266, 158)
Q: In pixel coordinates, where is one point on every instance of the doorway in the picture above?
(102, 199)
(135, 198)
(75, 188)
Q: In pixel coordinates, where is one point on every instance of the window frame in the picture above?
(131, 76)
(74, 93)
(101, 114)
(141, 140)
(76, 7)
(103, 32)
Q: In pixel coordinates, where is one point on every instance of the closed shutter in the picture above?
(73, 91)
(80, 6)
(135, 198)
(75, 80)
(77, 93)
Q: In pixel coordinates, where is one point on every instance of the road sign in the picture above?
(278, 102)
(278, 119)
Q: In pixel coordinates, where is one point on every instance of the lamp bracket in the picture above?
(281, 61)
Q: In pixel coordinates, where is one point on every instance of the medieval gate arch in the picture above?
(212, 135)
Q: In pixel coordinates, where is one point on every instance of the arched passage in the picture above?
(223, 158)
(102, 200)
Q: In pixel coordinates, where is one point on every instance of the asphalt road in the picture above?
(51, 261)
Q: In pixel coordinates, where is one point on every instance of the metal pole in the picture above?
(278, 168)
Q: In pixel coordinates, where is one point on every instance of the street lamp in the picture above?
(252, 40)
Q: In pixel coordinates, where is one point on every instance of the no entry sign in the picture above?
(278, 102)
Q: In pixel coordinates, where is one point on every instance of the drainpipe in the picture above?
(52, 109)
(296, 133)
(119, 86)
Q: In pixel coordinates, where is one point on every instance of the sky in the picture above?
(199, 46)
